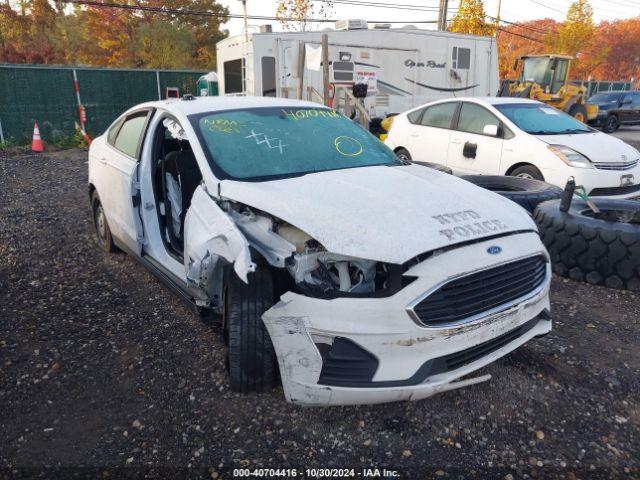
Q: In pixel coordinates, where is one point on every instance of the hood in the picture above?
(596, 146)
(388, 214)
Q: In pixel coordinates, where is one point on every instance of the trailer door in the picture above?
(463, 78)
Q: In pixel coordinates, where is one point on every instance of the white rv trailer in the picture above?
(403, 67)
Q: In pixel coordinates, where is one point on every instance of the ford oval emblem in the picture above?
(494, 250)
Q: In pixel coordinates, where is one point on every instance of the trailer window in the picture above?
(234, 76)
(461, 58)
(268, 76)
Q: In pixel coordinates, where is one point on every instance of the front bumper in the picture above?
(599, 183)
(299, 326)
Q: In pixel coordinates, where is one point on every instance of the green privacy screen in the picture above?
(47, 95)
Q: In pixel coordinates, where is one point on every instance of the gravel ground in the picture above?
(104, 373)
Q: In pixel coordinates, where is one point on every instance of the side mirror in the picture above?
(627, 101)
(490, 130)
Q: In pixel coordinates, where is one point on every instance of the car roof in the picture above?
(211, 104)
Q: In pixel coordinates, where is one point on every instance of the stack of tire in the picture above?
(598, 248)
(602, 249)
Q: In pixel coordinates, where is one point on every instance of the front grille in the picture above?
(471, 295)
(612, 191)
(616, 165)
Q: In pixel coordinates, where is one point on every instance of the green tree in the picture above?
(577, 32)
(471, 19)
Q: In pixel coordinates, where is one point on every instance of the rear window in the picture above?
(440, 115)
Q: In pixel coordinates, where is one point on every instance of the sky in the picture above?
(511, 10)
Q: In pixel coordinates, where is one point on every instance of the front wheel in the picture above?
(611, 124)
(529, 172)
(579, 112)
(251, 356)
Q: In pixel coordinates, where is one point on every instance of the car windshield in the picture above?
(540, 119)
(277, 142)
(605, 98)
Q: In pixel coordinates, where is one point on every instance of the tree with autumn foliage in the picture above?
(294, 14)
(471, 19)
(45, 32)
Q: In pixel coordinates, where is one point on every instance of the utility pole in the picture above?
(246, 25)
(498, 16)
(442, 15)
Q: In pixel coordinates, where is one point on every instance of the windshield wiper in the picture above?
(575, 130)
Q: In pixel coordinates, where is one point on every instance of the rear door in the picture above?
(120, 190)
(635, 106)
(470, 150)
(428, 137)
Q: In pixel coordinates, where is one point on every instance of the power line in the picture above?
(182, 11)
(395, 6)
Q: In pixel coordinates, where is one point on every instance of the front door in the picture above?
(120, 161)
(471, 151)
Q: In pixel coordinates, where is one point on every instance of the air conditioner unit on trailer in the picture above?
(352, 24)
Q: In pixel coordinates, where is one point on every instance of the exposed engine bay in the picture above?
(314, 270)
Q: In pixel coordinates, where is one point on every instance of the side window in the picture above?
(113, 131)
(439, 115)
(636, 99)
(268, 76)
(234, 76)
(625, 100)
(128, 137)
(461, 58)
(415, 115)
(473, 118)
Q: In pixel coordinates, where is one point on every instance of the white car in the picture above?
(518, 137)
(376, 280)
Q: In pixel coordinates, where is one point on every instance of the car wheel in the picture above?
(579, 112)
(529, 172)
(602, 249)
(403, 154)
(611, 124)
(526, 192)
(103, 233)
(251, 358)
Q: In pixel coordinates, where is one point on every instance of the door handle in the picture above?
(103, 160)
(456, 141)
(414, 134)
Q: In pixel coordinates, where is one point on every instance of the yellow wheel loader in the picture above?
(546, 78)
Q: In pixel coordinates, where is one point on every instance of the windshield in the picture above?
(540, 119)
(536, 70)
(277, 142)
(605, 98)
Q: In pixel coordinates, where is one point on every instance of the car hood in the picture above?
(388, 214)
(596, 146)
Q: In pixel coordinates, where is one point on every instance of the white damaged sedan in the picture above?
(349, 275)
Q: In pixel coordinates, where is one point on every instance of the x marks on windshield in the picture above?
(262, 138)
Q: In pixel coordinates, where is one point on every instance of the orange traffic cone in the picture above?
(36, 144)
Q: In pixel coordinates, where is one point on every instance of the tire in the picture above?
(611, 124)
(403, 154)
(528, 172)
(591, 249)
(103, 232)
(579, 112)
(525, 192)
(251, 357)
(435, 166)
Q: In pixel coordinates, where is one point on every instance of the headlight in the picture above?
(323, 274)
(570, 156)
